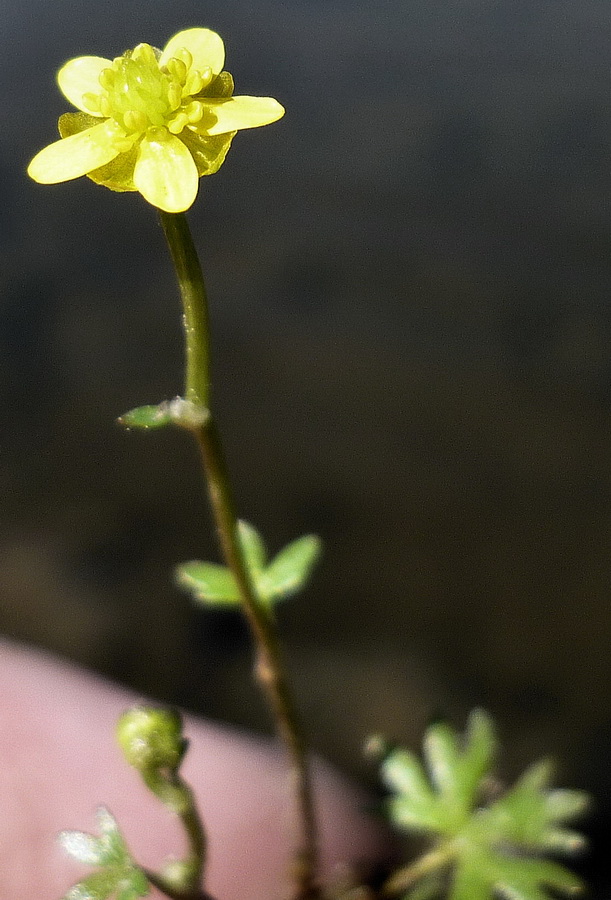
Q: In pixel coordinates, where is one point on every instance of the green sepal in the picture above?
(208, 151)
(287, 573)
(220, 86)
(118, 174)
(146, 417)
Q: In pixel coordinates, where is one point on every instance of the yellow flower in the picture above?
(151, 121)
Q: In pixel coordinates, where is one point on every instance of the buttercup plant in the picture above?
(155, 121)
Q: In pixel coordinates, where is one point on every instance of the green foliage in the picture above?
(488, 848)
(286, 574)
(118, 876)
(170, 412)
(147, 417)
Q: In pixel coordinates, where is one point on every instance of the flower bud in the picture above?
(151, 738)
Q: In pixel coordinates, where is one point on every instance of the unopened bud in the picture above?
(151, 738)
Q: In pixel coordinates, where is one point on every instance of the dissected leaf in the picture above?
(494, 850)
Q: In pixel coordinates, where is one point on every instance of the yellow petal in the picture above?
(238, 112)
(75, 155)
(81, 76)
(205, 46)
(165, 173)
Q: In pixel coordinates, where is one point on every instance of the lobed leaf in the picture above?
(495, 850)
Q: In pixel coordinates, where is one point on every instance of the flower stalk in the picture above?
(269, 667)
(152, 742)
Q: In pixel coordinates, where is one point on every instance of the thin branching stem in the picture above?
(270, 671)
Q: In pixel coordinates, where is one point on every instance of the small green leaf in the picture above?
(134, 885)
(419, 817)
(291, 568)
(530, 813)
(118, 876)
(147, 417)
(209, 582)
(442, 755)
(171, 412)
(565, 805)
(85, 848)
(402, 771)
(97, 886)
(253, 549)
(215, 584)
(115, 850)
(477, 757)
(469, 881)
(522, 878)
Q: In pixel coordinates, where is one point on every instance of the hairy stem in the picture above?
(269, 667)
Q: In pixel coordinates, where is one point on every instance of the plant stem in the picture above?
(178, 797)
(401, 880)
(173, 892)
(195, 307)
(269, 667)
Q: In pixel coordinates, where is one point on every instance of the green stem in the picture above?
(401, 880)
(178, 797)
(269, 666)
(194, 304)
(172, 891)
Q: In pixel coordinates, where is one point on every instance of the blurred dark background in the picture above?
(410, 283)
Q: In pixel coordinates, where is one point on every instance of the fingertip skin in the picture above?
(59, 762)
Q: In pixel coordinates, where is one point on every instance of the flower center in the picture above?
(140, 94)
